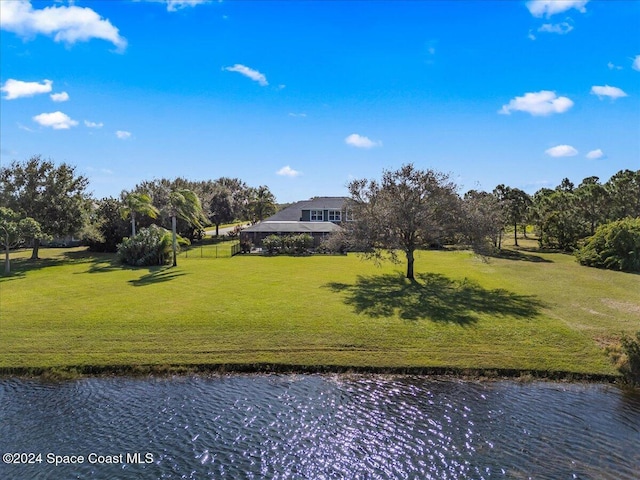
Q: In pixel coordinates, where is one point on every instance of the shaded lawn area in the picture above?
(78, 308)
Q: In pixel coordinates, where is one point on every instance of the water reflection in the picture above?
(323, 427)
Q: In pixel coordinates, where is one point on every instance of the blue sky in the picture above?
(305, 96)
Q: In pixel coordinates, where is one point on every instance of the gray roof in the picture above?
(293, 227)
(293, 212)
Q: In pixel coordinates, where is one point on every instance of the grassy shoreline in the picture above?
(528, 314)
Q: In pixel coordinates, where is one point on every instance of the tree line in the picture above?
(407, 209)
(40, 200)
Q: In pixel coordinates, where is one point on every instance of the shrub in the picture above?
(272, 244)
(290, 244)
(150, 246)
(615, 246)
(631, 348)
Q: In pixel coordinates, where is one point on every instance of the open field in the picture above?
(527, 311)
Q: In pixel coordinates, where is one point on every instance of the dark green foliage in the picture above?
(107, 220)
(288, 244)
(631, 348)
(150, 246)
(615, 246)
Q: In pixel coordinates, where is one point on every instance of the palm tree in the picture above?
(185, 204)
(137, 203)
(261, 203)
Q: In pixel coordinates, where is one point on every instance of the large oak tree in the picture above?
(406, 210)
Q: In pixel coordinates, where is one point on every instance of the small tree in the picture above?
(150, 246)
(408, 209)
(137, 203)
(14, 231)
(185, 204)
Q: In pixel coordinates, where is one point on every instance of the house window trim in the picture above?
(337, 215)
(319, 218)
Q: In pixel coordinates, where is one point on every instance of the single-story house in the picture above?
(318, 217)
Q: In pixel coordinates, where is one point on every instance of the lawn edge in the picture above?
(71, 372)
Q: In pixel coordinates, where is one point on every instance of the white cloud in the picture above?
(254, 75)
(123, 134)
(360, 141)
(59, 97)
(607, 91)
(544, 102)
(561, 151)
(298, 115)
(288, 172)
(547, 8)
(55, 120)
(68, 24)
(89, 124)
(17, 88)
(593, 154)
(559, 28)
(612, 66)
(175, 5)
(636, 63)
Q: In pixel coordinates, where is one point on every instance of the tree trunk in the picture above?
(36, 249)
(515, 233)
(410, 260)
(217, 225)
(175, 240)
(7, 262)
(133, 224)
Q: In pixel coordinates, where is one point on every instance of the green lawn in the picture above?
(530, 311)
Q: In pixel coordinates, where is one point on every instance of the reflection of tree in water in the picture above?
(433, 297)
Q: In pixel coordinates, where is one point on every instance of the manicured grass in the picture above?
(528, 311)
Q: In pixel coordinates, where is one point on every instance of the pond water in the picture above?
(316, 427)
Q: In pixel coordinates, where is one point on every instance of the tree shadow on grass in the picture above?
(160, 275)
(20, 267)
(509, 254)
(433, 297)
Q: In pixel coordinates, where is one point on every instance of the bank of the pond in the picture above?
(137, 371)
(527, 314)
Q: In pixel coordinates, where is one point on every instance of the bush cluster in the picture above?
(615, 246)
(150, 246)
(289, 244)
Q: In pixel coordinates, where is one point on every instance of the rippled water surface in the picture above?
(320, 427)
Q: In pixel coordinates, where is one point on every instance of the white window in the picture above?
(335, 215)
(349, 216)
(316, 215)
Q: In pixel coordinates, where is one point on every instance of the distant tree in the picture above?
(592, 202)
(107, 220)
(559, 223)
(260, 204)
(53, 196)
(137, 203)
(184, 204)
(221, 207)
(624, 192)
(14, 231)
(482, 220)
(515, 203)
(408, 209)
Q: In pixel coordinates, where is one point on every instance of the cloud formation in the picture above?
(547, 8)
(540, 103)
(68, 24)
(561, 151)
(559, 28)
(175, 5)
(89, 124)
(288, 172)
(56, 120)
(254, 75)
(636, 63)
(593, 154)
(123, 134)
(360, 141)
(607, 91)
(59, 97)
(17, 88)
